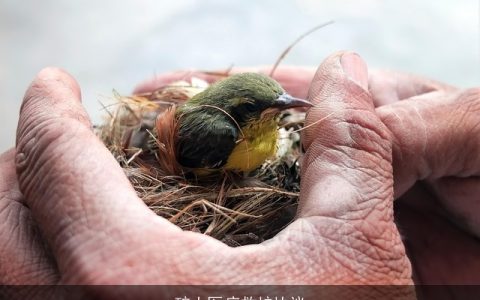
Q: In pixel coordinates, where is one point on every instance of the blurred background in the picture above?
(114, 44)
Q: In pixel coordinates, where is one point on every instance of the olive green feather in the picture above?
(210, 122)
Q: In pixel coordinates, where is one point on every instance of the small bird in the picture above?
(233, 124)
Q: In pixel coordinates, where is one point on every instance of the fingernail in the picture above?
(355, 69)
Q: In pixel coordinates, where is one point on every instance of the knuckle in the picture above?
(366, 127)
(357, 129)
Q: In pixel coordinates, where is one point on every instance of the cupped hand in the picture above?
(435, 132)
(95, 230)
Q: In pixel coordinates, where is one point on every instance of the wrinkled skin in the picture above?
(69, 214)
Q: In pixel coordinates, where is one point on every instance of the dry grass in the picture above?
(236, 209)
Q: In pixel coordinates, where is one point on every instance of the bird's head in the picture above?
(247, 96)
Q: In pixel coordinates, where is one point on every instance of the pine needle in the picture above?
(301, 37)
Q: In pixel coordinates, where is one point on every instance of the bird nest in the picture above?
(237, 209)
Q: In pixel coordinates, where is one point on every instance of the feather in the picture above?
(166, 129)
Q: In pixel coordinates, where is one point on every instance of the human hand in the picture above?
(435, 134)
(75, 213)
(439, 213)
(100, 232)
(436, 140)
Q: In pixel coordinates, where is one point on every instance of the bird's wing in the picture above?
(205, 140)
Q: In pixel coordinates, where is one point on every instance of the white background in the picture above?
(114, 44)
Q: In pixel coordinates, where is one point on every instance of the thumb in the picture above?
(348, 163)
(347, 177)
(345, 213)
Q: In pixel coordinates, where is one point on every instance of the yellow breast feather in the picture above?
(258, 143)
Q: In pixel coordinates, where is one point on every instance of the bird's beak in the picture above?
(286, 101)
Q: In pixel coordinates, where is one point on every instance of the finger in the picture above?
(347, 183)
(24, 258)
(390, 86)
(350, 139)
(434, 135)
(295, 80)
(76, 190)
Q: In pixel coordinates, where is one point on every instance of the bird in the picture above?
(232, 125)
